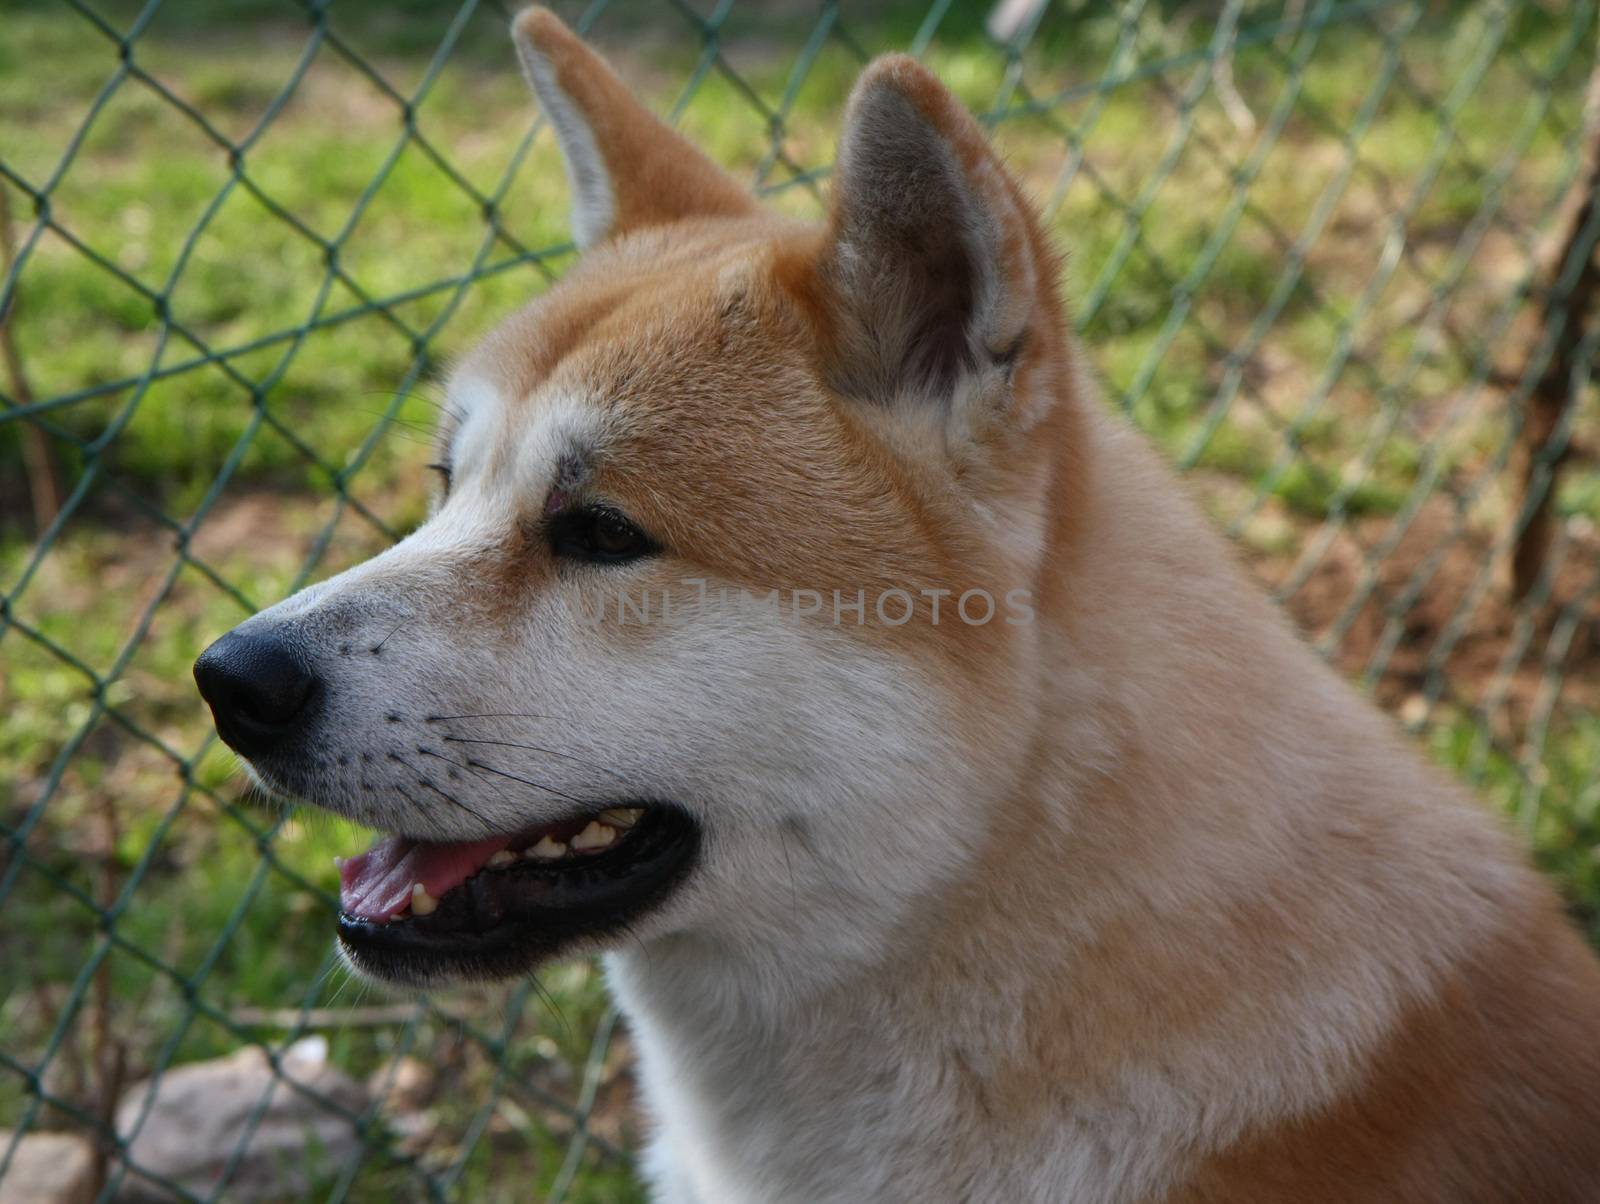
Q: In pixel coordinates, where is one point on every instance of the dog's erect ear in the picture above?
(626, 168)
(933, 261)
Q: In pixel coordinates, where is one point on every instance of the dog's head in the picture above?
(724, 625)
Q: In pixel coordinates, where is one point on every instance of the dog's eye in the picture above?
(444, 474)
(599, 534)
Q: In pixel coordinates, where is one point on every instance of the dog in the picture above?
(796, 628)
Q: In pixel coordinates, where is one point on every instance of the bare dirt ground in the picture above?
(1435, 613)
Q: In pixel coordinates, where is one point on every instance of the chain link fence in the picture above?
(1336, 256)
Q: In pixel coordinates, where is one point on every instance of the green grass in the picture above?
(281, 457)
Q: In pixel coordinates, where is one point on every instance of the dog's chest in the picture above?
(740, 1116)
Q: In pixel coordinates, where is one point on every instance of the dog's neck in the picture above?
(1135, 852)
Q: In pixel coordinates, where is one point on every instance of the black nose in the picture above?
(258, 689)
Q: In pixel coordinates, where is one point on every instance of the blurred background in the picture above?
(1337, 257)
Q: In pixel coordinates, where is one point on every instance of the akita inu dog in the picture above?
(1002, 843)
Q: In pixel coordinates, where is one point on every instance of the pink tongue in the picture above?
(376, 885)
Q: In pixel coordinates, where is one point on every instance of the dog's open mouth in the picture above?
(423, 911)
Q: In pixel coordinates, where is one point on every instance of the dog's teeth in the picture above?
(622, 817)
(503, 858)
(546, 850)
(422, 903)
(338, 863)
(596, 836)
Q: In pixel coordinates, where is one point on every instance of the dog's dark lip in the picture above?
(501, 923)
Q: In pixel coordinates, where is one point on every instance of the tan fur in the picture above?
(1133, 902)
(659, 176)
(1151, 896)
(1485, 1093)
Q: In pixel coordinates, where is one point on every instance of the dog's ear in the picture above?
(933, 261)
(626, 168)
